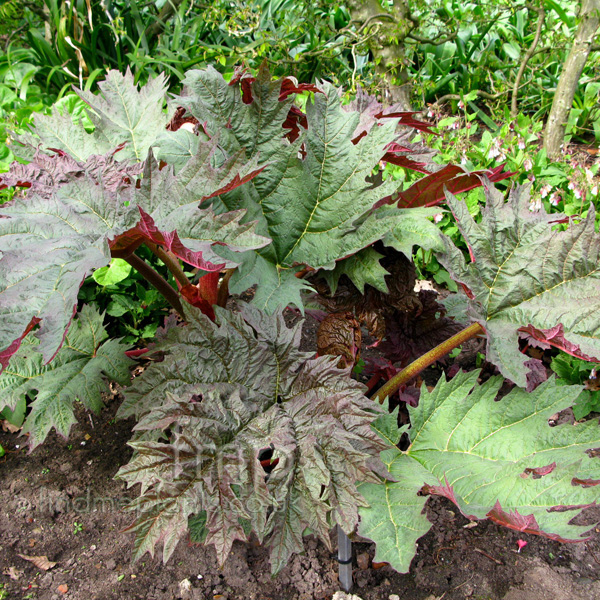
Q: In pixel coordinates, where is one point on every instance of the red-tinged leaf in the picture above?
(295, 119)
(180, 118)
(47, 172)
(259, 432)
(490, 457)
(412, 333)
(194, 297)
(554, 336)
(539, 471)
(407, 119)
(245, 81)
(537, 373)
(235, 182)
(16, 344)
(528, 278)
(209, 286)
(429, 191)
(585, 482)
(204, 294)
(137, 352)
(395, 147)
(339, 335)
(290, 85)
(405, 161)
(79, 371)
(51, 244)
(445, 490)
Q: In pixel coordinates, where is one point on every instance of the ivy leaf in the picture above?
(494, 459)
(226, 392)
(526, 276)
(51, 244)
(80, 371)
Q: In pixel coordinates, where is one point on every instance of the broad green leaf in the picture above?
(80, 371)
(52, 240)
(121, 115)
(528, 277)
(363, 268)
(227, 391)
(315, 198)
(494, 459)
(117, 271)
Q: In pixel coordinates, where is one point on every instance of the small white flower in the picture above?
(521, 143)
(455, 125)
(555, 199)
(594, 190)
(463, 160)
(501, 157)
(527, 164)
(535, 205)
(545, 190)
(430, 114)
(437, 218)
(577, 193)
(493, 152)
(571, 185)
(461, 104)
(589, 175)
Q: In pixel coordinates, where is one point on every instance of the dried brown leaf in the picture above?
(41, 562)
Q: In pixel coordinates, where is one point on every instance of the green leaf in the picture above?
(117, 271)
(528, 278)
(121, 114)
(494, 459)
(362, 268)
(77, 372)
(316, 195)
(52, 240)
(227, 391)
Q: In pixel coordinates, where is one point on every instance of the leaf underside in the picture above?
(494, 459)
(527, 276)
(80, 371)
(226, 392)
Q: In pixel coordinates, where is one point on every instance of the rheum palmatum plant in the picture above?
(239, 433)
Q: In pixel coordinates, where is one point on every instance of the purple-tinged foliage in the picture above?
(225, 392)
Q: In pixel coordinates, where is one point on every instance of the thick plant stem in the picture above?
(589, 20)
(155, 279)
(171, 263)
(426, 360)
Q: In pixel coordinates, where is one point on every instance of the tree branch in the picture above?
(515, 92)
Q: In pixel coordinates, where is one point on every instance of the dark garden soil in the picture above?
(62, 502)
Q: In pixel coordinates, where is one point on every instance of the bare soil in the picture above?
(62, 502)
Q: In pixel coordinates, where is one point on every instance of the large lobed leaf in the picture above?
(227, 392)
(80, 371)
(528, 276)
(315, 197)
(494, 459)
(52, 240)
(121, 115)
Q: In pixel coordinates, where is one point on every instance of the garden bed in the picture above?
(62, 502)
